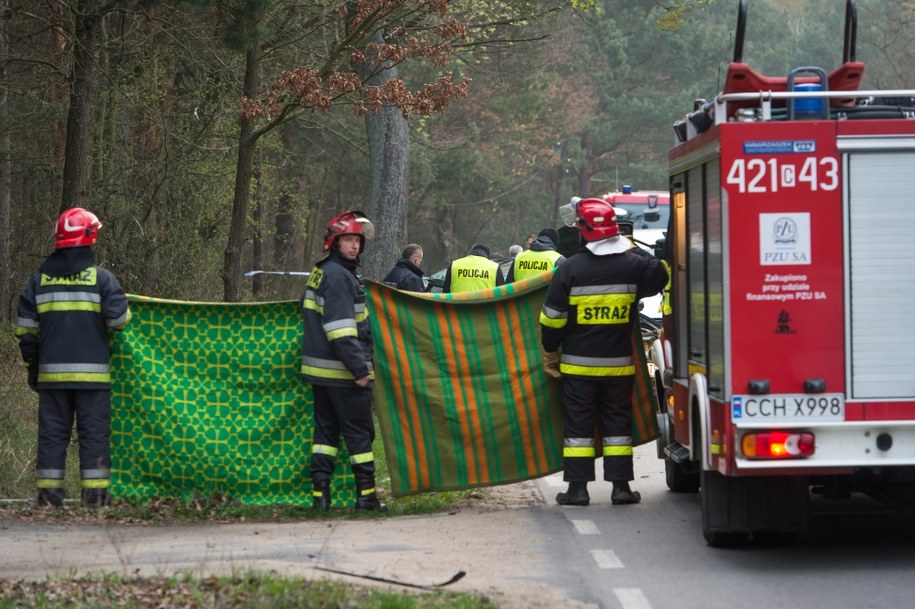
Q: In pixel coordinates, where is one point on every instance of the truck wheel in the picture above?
(679, 478)
(714, 513)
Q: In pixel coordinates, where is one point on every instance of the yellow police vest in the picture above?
(531, 262)
(472, 273)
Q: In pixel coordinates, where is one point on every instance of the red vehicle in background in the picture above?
(787, 365)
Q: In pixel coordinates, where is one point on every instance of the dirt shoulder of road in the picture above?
(492, 540)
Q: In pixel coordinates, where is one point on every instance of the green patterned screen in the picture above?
(207, 400)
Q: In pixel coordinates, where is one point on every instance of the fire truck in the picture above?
(786, 367)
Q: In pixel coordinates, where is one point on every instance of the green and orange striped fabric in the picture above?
(460, 394)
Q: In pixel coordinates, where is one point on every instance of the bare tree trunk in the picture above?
(389, 147)
(59, 45)
(247, 143)
(77, 158)
(257, 253)
(6, 14)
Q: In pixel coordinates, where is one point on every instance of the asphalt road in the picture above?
(523, 551)
(856, 554)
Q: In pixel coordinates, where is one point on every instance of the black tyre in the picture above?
(714, 502)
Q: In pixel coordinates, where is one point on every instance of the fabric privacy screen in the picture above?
(207, 398)
(461, 397)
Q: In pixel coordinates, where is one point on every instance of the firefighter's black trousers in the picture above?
(56, 411)
(348, 411)
(607, 403)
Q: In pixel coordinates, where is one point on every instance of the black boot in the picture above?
(622, 494)
(368, 502)
(576, 495)
(94, 497)
(321, 495)
(53, 497)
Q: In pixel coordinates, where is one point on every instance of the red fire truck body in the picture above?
(788, 361)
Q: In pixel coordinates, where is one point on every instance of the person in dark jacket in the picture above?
(337, 361)
(540, 257)
(586, 332)
(406, 274)
(475, 271)
(63, 318)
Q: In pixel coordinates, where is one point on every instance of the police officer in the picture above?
(337, 361)
(540, 257)
(475, 271)
(586, 324)
(64, 315)
(406, 274)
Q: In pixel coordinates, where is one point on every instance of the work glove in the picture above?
(32, 375)
(28, 346)
(550, 361)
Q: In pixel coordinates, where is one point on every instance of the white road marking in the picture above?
(585, 527)
(632, 598)
(607, 559)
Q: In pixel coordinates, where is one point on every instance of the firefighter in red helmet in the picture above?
(63, 318)
(337, 361)
(586, 328)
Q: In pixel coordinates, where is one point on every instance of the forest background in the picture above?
(216, 138)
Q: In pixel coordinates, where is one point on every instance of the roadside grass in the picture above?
(18, 439)
(254, 591)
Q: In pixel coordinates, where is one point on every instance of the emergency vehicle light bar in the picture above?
(765, 98)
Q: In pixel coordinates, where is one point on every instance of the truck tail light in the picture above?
(777, 445)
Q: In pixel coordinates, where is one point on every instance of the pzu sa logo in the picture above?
(805, 146)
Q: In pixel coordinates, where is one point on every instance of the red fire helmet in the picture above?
(76, 227)
(596, 220)
(349, 223)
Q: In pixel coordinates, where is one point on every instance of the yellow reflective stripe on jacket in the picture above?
(329, 368)
(340, 328)
(121, 322)
(74, 373)
(552, 318)
(596, 366)
(74, 377)
(367, 491)
(312, 301)
(58, 306)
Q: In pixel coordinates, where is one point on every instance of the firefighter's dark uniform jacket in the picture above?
(337, 339)
(541, 257)
(588, 313)
(406, 276)
(336, 351)
(70, 304)
(63, 318)
(591, 305)
(473, 272)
